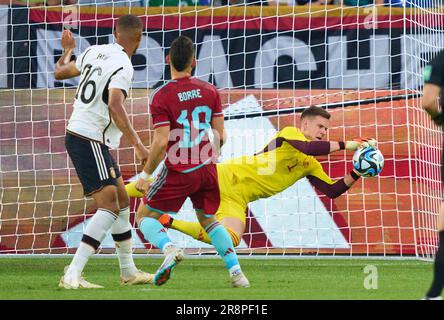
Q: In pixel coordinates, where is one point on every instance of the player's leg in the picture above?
(221, 240)
(93, 164)
(154, 232)
(150, 210)
(435, 290)
(190, 228)
(234, 226)
(232, 215)
(166, 195)
(438, 269)
(95, 232)
(121, 232)
(206, 202)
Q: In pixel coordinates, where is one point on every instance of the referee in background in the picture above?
(431, 102)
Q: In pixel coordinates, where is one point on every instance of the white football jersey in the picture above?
(102, 67)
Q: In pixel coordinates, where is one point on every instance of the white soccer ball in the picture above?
(368, 161)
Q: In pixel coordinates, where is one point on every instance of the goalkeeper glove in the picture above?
(357, 143)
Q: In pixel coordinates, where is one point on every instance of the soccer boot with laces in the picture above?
(239, 280)
(139, 277)
(74, 280)
(173, 257)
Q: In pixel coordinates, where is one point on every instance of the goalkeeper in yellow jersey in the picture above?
(288, 157)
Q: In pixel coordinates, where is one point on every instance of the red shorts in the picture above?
(171, 188)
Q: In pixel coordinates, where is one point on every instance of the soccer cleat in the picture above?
(139, 277)
(171, 260)
(239, 280)
(166, 220)
(69, 281)
(74, 280)
(432, 298)
(88, 285)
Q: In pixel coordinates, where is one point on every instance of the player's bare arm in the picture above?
(433, 82)
(65, 68)
(430, 101)
(157, 154)
(220, 136)
(120, 117)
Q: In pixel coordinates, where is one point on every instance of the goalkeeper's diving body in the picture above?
(287, 158)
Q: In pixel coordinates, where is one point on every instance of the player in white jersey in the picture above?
(97, 123)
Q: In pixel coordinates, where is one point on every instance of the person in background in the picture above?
(432, 103)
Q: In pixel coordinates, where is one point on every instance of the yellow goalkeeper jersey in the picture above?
(272, 170)
(275, 168)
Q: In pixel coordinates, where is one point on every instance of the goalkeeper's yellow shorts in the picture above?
(232, 202)
(231, 209)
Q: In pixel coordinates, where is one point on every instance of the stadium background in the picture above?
(342, 56)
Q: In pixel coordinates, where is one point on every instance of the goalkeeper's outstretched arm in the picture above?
(430, 102)
(431, 93)
(332, 189)
(320, 148)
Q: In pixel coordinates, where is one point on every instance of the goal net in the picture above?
(364, 65)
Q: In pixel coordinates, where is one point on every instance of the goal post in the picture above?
(364, 65)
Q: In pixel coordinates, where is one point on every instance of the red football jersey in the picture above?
(187, 105)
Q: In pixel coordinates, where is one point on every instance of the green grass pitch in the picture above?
(207, 279)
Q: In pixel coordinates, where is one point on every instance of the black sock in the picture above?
(438, 271)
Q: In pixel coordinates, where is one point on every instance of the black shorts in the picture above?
(94, 164)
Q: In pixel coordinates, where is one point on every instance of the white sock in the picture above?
(124, 248)
(235, 270)
(168, 247)
(84, 251)
(125, 254)
(94, 234)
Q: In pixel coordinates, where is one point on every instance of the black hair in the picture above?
(181, 53)
(129, 21)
